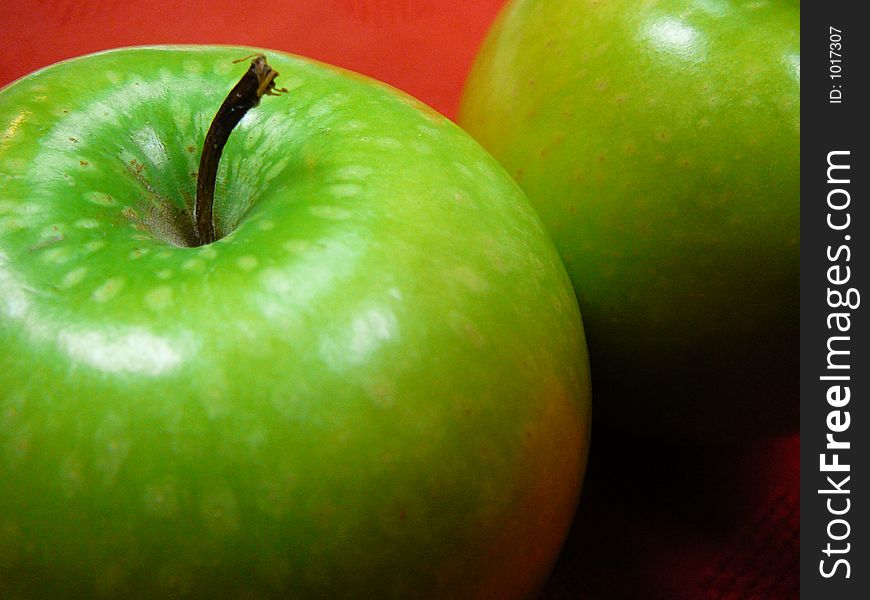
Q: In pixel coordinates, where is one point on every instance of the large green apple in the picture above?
(372, 385)
(659, 141)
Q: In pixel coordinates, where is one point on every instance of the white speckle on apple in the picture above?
(208, 252)
(219, 510)
(333, 213)
(286, 406)
(327, 105)
(463, 168)
(181, 113)
(94, 245)
(164, 274)
(353, 125)
(159, 298)
(460, 196)
(160, 499)
(101, 198)
(428, 131)
(276, 281)
(421, 147)
(8, 224)
(276, 169)
(192, 264)
(265, 225)
(73, 277)
(164, 254)
(57, 256)
(113, 445)
(354, 342)
(387, 142)
(71, 475)
(344, 190)
(255, 437)
(465, 328)
(291, 82)
(223, 67)
(318, 110)
(52, 233)
(137, 253)
(141, 237)
(470, 279)
(113, 76)
(151, 145)
(381, 392)
(126, 351)
(192, 66)
(108, 290)
(29, 208)
(166, 76)
(16, 166)
(87, 223)
(716, 8)
(353, 172)
(296, 246)
(486, 173)
(247, 262)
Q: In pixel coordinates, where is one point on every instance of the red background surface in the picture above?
(423, 47)
(657, 520)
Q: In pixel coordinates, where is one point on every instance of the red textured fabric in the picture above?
(656, 521)
(679, 522)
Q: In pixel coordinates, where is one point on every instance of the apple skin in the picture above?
(660, 143)
(375, 385)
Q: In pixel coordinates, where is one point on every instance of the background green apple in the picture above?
(659, 141)
(373, 385)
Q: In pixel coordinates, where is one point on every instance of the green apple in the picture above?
(372, 385)
(660, 143)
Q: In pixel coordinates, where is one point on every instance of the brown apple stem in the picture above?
(258, 80)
